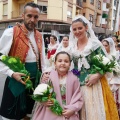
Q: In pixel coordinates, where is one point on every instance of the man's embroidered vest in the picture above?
(20, 44)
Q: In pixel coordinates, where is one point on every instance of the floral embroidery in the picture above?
(63, 90)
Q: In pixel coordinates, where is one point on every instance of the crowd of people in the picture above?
(82, 94)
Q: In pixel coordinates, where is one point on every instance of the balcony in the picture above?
(106, 1)
(4, 17)
(105, 15)
(104, 25)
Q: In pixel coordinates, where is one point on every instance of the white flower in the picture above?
(40, 89)
(105, 60)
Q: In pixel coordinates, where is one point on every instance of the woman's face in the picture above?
(52, 40)
(79, 30)
(106, 45)
(65, 41)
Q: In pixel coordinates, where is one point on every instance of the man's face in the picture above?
(31, 17)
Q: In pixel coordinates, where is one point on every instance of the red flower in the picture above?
(63, 97)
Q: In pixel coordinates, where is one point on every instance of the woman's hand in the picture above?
(48, 103)
(45, 77)
(68, 113)
(92, 79)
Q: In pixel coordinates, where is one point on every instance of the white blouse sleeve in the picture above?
(43, 65)
(5, 45)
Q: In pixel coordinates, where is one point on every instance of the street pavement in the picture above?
(2, 81)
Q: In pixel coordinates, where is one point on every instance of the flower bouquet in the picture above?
(45, 92)
(16, 65)
(101, 64)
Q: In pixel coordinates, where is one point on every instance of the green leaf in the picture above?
(29, 84)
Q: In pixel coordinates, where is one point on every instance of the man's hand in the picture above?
(68, 113)
(17, 76)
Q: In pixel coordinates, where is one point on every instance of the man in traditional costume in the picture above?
(25, 42)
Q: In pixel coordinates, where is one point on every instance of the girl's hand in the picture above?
(92, 79)
(68, 113)
(48, 103)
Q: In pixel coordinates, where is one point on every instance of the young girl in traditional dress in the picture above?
(67, 88)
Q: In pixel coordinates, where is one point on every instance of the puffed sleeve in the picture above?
(5, 45)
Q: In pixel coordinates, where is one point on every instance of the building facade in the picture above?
(92, 10)
(55, 17)
(110, 17)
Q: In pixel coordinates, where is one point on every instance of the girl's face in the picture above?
(52, 40)
(106, 45)
(62, 63)
(65, 41)
(79, 30)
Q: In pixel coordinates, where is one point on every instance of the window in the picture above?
(21, 8)
(5, 9)
(69, 14)
(115, 2)
(91, 1)
(99, 5)
(43, 9)
(84, 14)
(79, 3)
(114, 12)
(113, 23)
(91, 18)
(84, 0)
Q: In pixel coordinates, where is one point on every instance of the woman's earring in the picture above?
(88, 34)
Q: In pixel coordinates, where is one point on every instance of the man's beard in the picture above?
(29, 28)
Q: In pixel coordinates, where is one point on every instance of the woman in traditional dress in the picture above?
(99, 103)
(64, 46)
(113, 79)
(52, 47)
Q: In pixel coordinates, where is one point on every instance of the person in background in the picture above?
(47, 41)
(116, 41)
(25, 42)
(64, 46)
(118, 53)
(67, 88)
(113, 79)
(52, 47)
